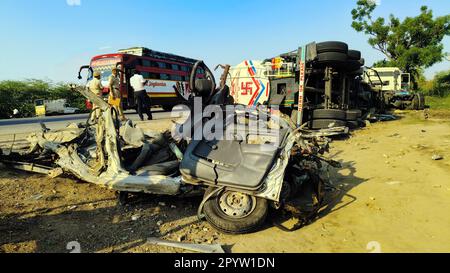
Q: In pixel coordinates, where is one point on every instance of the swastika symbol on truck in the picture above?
(247, 88)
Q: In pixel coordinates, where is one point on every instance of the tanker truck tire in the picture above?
(332, 46)
(354, 55)
(329, 114)
(327, 124)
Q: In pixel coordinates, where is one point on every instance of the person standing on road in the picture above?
(96, 87)
(142, 99)
(115, 97)
(15, 113)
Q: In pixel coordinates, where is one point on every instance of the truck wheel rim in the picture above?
(236, 204)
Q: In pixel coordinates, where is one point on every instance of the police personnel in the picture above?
(115, 97)
(95, 86)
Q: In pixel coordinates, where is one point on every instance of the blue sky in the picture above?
(52, 38)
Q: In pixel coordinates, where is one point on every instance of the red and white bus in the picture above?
(167, 75)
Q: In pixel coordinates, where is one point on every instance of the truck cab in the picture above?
(395, 86)
(40, 108)
(392, 79)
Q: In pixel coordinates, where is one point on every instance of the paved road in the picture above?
(22, 127)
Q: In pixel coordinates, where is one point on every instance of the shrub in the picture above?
(21, 95)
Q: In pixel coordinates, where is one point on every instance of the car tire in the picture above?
(327, 123)
(352, 115)
(329, 114)
(234, 225)
(332, 46)
(354, 55)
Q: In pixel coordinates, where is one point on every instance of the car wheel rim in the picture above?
(236, 205)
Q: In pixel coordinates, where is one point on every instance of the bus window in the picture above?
(148, 63)
(105, 74)
(164, 77)
(150, 75)
(176, 78)
(184, 69)
(146, 75)
(175, 67)
(161, 65)
(90, 75)
(154, 76)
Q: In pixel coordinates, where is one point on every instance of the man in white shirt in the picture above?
(143, 102)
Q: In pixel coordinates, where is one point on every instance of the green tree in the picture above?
(441, 84)
(412, 44)
(21, 95)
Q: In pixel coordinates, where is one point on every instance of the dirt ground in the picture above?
(393, 198)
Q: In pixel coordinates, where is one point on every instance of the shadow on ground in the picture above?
(105, 226)
(337, 196)
(109, 228)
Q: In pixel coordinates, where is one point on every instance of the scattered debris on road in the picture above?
(201, 248)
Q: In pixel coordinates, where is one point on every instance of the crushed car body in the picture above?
(242, 176)
(91, 152)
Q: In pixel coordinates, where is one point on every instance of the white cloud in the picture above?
(73, 2)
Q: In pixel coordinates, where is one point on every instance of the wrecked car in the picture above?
(247, 160)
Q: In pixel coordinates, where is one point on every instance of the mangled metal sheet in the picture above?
(132, 135)
(114, 175)
(102, 165)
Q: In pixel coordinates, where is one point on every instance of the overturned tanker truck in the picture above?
(242, 176)
(327, 82)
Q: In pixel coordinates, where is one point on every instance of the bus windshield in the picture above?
(104, 66)
(104, 74)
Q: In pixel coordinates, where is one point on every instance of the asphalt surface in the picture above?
(21, 127)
